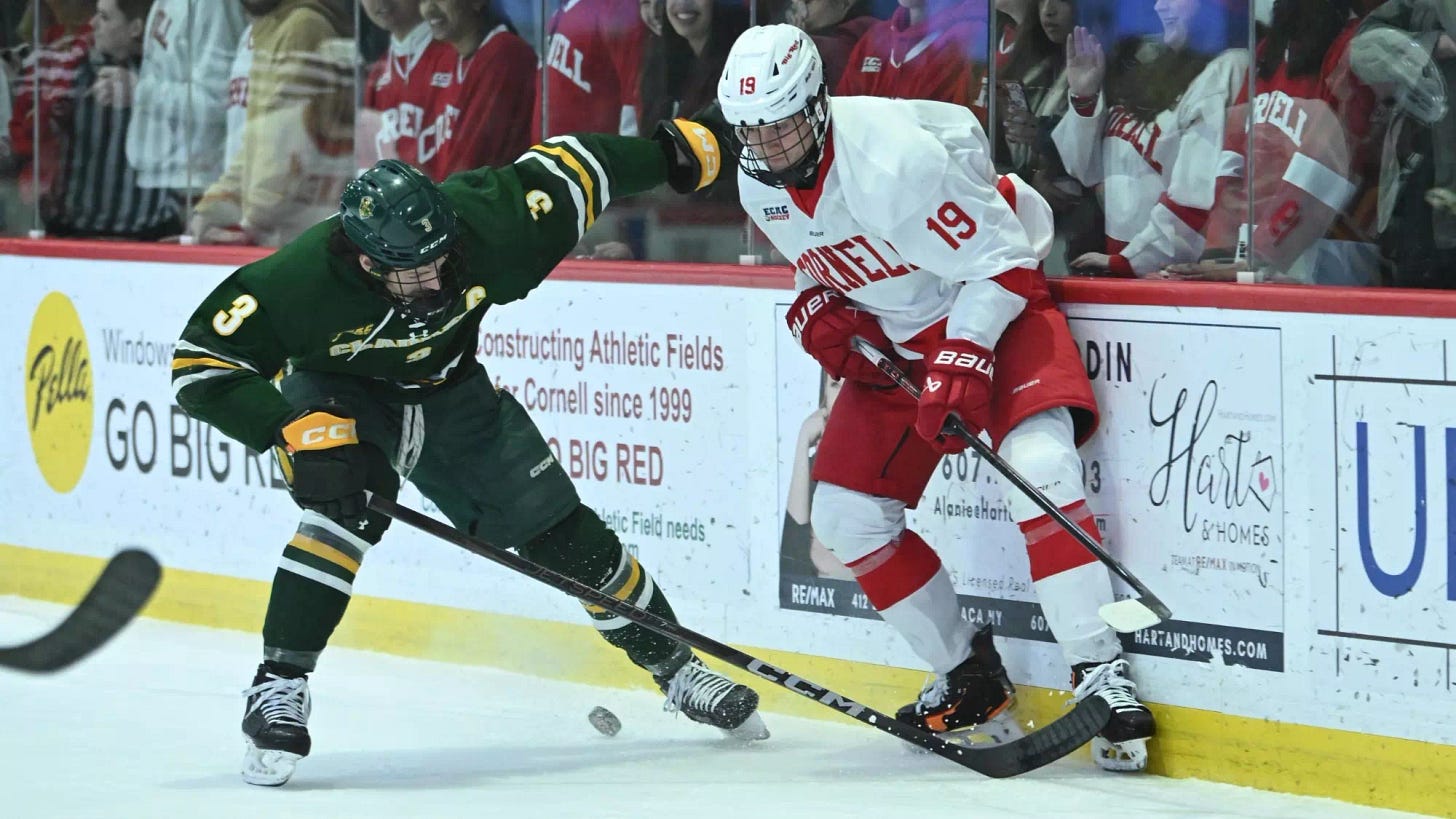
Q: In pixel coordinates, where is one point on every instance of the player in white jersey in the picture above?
(902, 232)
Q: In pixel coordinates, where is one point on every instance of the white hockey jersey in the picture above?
(178, 131)
(910, 221)
(1156, 177)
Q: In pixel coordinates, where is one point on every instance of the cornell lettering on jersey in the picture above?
(852, 263)
(1276, 108)
(1124, 125)
(567, 60)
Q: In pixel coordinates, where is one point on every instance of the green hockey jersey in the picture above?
(305, 308)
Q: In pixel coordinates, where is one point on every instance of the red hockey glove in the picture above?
(957, 382)
(822, 320)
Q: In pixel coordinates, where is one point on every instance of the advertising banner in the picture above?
(1182, 476)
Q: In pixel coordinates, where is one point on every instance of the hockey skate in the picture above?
(706, 696)
(275, 727)
(1123, 743)
(971, 703)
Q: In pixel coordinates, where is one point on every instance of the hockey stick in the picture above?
(1132, 614)
(1036, 749)
(124, 587)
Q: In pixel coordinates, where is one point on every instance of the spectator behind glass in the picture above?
(1032, 99)
(653, 14)
(836, 26)
(681, 66)
(926, 50)
(64, 45)
(488, 91)
(680, 71)
(1149, 137)
(1009, 15)
(295, 154)
(593, 67)
(176, 138)
(99, 195)
(1406, 50)
(388, 123)
(1313, 194)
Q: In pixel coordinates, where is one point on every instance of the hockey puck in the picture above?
(604, 721)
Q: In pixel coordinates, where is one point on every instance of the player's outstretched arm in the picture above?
(223, 363)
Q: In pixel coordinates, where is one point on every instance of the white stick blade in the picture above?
(1128, 615)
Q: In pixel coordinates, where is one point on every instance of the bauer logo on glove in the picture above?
(970, 361)
(957, 383)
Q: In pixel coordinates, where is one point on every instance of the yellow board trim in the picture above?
(586, 183)
(323, 550)
(1380, 771)
(180, 363)
(621, 593)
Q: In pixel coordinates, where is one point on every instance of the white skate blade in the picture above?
(1128, 615)
(1131, 755)
(271, 768)
(750, 730)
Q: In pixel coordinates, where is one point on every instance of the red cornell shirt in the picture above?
(398, 89)
(930, 60)
(409, 93)
(593, 61)
(487, 116)
(1312, 152)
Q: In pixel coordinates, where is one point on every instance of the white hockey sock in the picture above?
(905, 581)
(1071, 586)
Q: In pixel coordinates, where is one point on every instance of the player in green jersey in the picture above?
(372, 316)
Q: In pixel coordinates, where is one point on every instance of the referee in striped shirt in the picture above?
(97, 193)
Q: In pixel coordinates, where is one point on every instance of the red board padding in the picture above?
(1266, 297)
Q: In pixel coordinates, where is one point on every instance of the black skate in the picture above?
(275, 726)
(1123, 743)
(974, 698)
(708, 697)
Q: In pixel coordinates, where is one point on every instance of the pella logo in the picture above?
(776, 213)
(58, 392)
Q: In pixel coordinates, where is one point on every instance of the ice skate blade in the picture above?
(270, 768)
(1123, 757)
(750, 730)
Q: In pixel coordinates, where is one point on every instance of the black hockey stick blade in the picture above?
(1039, 748)
(124, 587)
(1132, 614)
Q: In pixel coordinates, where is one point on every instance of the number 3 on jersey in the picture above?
(227, 322)
(951, 223)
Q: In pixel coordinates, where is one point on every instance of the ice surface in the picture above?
(148, 727)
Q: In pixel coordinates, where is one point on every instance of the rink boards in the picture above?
(1271, 461)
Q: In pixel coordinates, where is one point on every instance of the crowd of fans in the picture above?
(240, 121)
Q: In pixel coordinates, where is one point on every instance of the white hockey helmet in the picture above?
(774, 77)
(1394, 63)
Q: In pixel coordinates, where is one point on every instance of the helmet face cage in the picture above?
(420, 293)
(761, 146)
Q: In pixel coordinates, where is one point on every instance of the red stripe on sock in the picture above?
(896, 570)
(1054, 550)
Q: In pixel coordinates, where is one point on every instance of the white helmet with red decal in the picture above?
(772, 94)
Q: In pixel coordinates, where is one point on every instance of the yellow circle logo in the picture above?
(58, 392)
